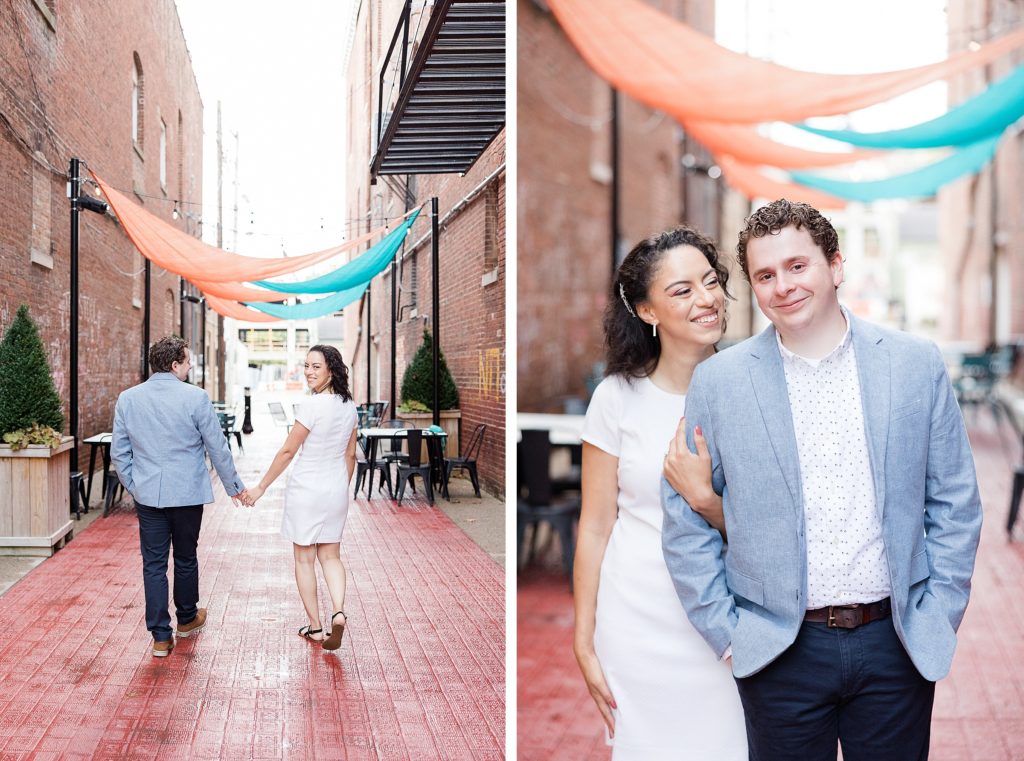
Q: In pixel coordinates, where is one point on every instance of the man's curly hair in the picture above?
(770, 219)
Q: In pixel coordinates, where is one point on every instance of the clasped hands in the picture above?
(689, 474)
(247, 497)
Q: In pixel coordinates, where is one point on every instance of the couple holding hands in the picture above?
(164, 427)
(817, 512)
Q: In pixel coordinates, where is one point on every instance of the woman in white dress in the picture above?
(316, 498)
(661, 690)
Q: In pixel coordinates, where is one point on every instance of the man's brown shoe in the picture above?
(193, 626)
(163, 649)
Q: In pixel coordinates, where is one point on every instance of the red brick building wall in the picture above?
(66, 91)
(471, 262)
(564, 225)
(979, 217)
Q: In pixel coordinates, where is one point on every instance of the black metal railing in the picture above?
(403, 30)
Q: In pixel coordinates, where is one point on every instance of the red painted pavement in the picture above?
(420, 674)
(979, 708)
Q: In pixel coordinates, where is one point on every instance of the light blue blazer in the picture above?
(753, 596)
(162, 429)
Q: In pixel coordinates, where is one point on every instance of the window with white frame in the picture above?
(163, 155)
(138, 99)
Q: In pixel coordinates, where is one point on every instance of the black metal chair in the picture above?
(78, 498)
(468, 461)
(228, 425)
(395, 455)
(113, 493)
(539, 505)
(379, 466)
(375, 414)
(406, 472)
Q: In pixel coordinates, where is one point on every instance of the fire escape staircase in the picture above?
(451, 98)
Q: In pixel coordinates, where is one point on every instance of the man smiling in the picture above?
(851, 508)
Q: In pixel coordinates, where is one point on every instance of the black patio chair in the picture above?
(78, 498)
(395, 453)
(415, 467)
(538, 504)
(468, 461)
(229, 426)
(380, 465)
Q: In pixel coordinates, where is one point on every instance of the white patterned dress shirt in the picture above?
(846, 561)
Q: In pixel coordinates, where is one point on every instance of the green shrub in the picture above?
(418, 381)
(27, 395)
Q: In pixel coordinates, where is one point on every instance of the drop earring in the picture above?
(655, 330)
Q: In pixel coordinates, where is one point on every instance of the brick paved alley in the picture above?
(420, 674)
(979, 708)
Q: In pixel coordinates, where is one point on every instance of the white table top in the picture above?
(564, 430)
(397, 432)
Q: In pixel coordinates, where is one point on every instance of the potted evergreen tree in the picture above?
(418, 393)
(35, 510)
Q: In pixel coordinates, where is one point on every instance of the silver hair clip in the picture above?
(622, 293)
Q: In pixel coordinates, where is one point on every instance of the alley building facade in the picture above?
(113, 86)
(597, 173)
(980, 232)
(471, 241)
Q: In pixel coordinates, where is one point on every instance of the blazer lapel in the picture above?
(873, 371)
(769, 381)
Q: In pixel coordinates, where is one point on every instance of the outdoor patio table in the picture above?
(563, 430)
(102, 441)
(373, 435)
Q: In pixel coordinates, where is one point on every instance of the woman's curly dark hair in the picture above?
(631, 349)
(770, 219)
(339, 372)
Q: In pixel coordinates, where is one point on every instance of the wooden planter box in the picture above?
(35, 499)
(450, 420)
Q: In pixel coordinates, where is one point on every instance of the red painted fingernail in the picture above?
(698, 431)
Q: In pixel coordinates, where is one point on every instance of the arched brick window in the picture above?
(138, 102)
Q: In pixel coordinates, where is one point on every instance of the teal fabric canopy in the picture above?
(313, 309)
(920, 183)
(361, 270)
(980, 117)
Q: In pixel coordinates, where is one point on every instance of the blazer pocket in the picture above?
(919, 570)
(744, 586)
(905, 410)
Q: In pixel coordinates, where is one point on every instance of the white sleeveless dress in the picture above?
(676, 701)
(316, 497)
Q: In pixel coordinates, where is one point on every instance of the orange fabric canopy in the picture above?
(754, 184)
(180, 253)
(237, 291)
(662, 62)
(238, 311)
(742, 142)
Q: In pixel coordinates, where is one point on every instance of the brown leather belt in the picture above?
(850, 616)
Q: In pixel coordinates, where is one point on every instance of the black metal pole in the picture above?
(435, 263)
(394, 329)
(202, 335)
(369, 291)
(181, 304)
(616, 190)
(73, 401)
(146, 320)
(405, 41)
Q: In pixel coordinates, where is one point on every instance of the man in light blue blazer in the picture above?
(163, 429)
(840, 460)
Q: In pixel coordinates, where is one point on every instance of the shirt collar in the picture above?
(840, 348)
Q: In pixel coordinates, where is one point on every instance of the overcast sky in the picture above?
(278, 71)
(844, 38)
